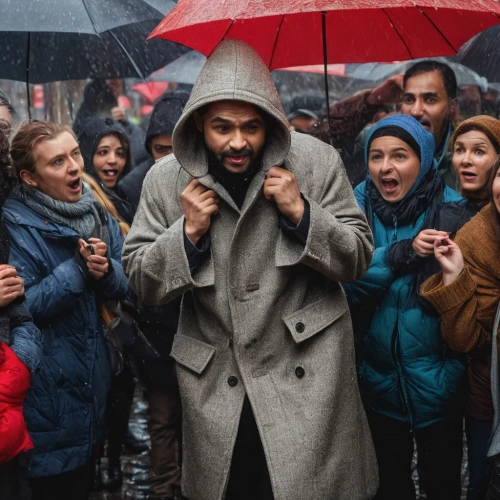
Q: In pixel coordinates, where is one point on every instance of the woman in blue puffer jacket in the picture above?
(67, 250)
(410, 381)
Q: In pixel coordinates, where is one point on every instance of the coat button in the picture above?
(300, 327)
(299, 372)
(232, 381)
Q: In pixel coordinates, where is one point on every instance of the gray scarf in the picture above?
(81, 216)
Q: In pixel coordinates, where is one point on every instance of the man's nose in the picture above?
(417, 108)
(238, 141)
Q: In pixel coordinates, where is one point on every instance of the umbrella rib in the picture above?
(439, 31)
(129, 57)
(398, 33)
(276, 42)
(88, 14)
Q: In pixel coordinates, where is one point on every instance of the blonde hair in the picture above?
(105, 202)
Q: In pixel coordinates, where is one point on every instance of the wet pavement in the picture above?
(137, 471)
(136, 468)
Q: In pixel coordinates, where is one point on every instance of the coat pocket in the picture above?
(315, 317)
(192, 353)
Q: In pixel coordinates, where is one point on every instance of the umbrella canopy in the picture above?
(289, 32)
(54, 40)
(482, 54)
(378, 73)
(185, 69)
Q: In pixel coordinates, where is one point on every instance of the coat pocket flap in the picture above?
(191, 353)
(315, 317)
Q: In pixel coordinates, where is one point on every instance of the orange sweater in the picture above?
(467, 306)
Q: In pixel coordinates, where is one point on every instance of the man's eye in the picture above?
(222, 129)
(59, 161)
(408, 100)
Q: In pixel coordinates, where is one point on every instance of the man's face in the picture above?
(425, 99)
(234, 132)
(161, 146)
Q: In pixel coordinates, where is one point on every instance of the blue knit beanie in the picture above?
(423, 138)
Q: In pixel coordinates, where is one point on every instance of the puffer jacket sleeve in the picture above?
(114, 285)
(25, 336)
(46, 296)
(379, 275)
(154, 256)
(339, 243)
(376, 280)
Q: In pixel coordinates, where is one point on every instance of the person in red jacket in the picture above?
(20, 352)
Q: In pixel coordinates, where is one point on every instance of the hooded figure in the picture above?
(264, 338)
(91, 132)
(165, 115)
(410, 382)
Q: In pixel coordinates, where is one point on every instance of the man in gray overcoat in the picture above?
(257, 227)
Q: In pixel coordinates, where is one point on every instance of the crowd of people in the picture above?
(295, 337)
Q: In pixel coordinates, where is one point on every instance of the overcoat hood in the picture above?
(234, 71)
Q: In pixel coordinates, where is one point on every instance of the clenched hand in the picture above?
(450, 258)
(281, 186)
(198, 204)
(423, 244)
(97, 262)
(11, 285)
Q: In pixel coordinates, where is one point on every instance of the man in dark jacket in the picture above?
(158, 143)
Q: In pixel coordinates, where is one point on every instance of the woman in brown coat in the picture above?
(466, 295)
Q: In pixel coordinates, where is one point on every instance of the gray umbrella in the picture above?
(378, 73)
(185, 69)
(54, 40)
(482, 54)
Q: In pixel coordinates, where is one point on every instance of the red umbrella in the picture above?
(289, 32)
(304, 32)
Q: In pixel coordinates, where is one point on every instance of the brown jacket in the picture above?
(467, 306)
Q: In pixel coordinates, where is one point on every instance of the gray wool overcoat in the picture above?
(264, 315)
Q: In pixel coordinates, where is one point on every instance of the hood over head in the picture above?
(164, 117)
(234, 71)
(420, 140)
(91, 132)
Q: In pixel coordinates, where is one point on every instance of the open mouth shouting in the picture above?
(389, 185)
(75, 185)
(109, 176)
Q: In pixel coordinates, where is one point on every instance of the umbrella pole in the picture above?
(325, 63)
(28, 75)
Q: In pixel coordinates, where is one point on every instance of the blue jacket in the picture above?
(406, 371)
(64, 409)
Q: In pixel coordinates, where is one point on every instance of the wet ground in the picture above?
(136, 469)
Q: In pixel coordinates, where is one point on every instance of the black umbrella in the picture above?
(482, 54)
(54, 40)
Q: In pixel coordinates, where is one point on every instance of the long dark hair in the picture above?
(7, 174)
(496, 213)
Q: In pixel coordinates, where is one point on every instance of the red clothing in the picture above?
(14, 383)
